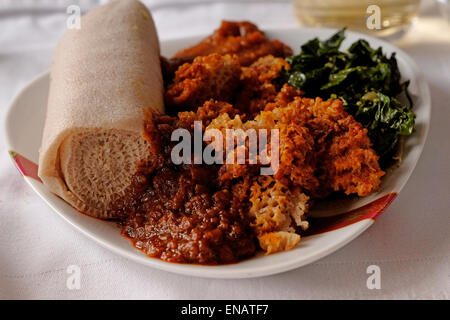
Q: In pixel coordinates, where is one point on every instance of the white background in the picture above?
(410, 241)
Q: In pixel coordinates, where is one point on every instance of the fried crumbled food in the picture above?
(213, 76)
(210, 110)
(272, 242)
(344, 158)
(231, 169)
(297, 159)
(277, 210)
(259, 85)
(241, 38)
(296, 144)
(278, 205)
(286, 95)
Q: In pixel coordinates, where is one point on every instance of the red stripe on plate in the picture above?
(369, 211)
(26, 167)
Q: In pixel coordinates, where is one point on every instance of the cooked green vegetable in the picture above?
(365, 79)
(386, 119)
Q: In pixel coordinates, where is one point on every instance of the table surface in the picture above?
(409, 242)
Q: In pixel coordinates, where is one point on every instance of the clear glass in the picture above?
(395, 15)
(444, 7)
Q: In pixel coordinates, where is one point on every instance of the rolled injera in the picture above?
(104, 76)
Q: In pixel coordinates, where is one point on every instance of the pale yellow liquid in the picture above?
(395, 14)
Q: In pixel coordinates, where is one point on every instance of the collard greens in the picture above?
(365, 79)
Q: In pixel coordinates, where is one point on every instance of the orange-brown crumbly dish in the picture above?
(220, 213)
(344, 160)
(259, 85)
(241, 38)
(277, 210)
(213, 76)
(223, 78)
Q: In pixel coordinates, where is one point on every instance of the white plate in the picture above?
(24, 125)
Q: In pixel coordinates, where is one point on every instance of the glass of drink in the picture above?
(382, 18)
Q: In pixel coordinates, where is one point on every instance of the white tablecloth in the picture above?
(410, 242)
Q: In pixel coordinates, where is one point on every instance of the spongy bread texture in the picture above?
(103, 76)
